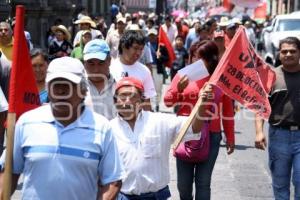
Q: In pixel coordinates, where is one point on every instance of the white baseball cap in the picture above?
(65, 67)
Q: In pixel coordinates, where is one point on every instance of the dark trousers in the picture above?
(162, 194)
(200, 172)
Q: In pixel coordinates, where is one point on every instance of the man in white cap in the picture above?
(96, 55)
(63, 149)
(113, 37)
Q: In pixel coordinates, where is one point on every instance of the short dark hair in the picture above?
(290, 40)
(210, 22)
(208, 51)
(38, 51)
(129, 37)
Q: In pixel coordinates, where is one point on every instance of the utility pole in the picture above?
(159, 10)
(186, 6)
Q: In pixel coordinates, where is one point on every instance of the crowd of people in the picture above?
(99, 133)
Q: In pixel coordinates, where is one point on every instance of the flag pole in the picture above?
(12, 113)
(187, 124)
(11, 121)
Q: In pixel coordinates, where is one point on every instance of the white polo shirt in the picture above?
(145, 151)
(137, 70)
(3, 102)
(64, 162)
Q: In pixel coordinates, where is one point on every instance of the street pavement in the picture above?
(241, 176)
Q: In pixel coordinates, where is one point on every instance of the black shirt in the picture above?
(285, 98)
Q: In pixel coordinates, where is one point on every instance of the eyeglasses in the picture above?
(3, 29)
(284, 52)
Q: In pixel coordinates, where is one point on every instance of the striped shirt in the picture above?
(145, 150)
(64, 162)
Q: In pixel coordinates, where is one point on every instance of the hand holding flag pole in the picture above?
(23, 94)
(242, 75)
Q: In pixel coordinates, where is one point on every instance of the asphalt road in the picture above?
(241, 176)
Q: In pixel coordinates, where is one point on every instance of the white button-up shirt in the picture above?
(145, 150)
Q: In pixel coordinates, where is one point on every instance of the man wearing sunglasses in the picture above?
(284, 130)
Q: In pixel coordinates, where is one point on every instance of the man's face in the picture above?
(220, 42)
(231, 31)
(5, 32)
(179, 42)
(65, 97)
(168, 23)
(289, 55)
(40, 66)
(86, 38)
(121, 26)
(134, 52)
(97, 70)
(60, 36)
(152, 38)
(84, 26)
(128, 101)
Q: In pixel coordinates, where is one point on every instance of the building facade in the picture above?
(41, 14)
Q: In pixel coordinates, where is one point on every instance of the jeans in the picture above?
(201, 172)
(284, 161)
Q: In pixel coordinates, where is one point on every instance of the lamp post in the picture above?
(186, 5)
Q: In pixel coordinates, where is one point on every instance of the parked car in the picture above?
(281, 27)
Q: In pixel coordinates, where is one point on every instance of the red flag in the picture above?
(244, 76)
(23, 92)
(164, 40)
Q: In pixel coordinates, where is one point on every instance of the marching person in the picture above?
(60, 45)
(284, 129)
(86, 24)
(77, 52)
(63, 149)
(144, 139)
(183, 93)
(39, 61)
(101, 84)
(130, 50)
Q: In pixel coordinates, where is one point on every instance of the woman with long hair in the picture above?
(184, 94)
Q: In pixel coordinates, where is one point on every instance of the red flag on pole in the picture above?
(244, 76)
(23, 92)
(164, 40)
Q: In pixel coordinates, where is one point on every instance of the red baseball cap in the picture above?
(130, 81)
(219, 34)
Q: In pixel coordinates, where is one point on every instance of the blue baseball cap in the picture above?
(96, 48)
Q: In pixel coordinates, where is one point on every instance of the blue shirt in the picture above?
(44, 96)
(64, 162)
(191, 38)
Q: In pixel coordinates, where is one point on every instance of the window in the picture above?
(288, 25)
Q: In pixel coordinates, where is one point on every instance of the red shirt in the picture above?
(183, 31)
(188, 98)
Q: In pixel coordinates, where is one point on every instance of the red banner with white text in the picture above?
(244, 76)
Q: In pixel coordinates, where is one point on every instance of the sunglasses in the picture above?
(284, 52)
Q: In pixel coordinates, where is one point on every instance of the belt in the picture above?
(290, 128)
(161, 194)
